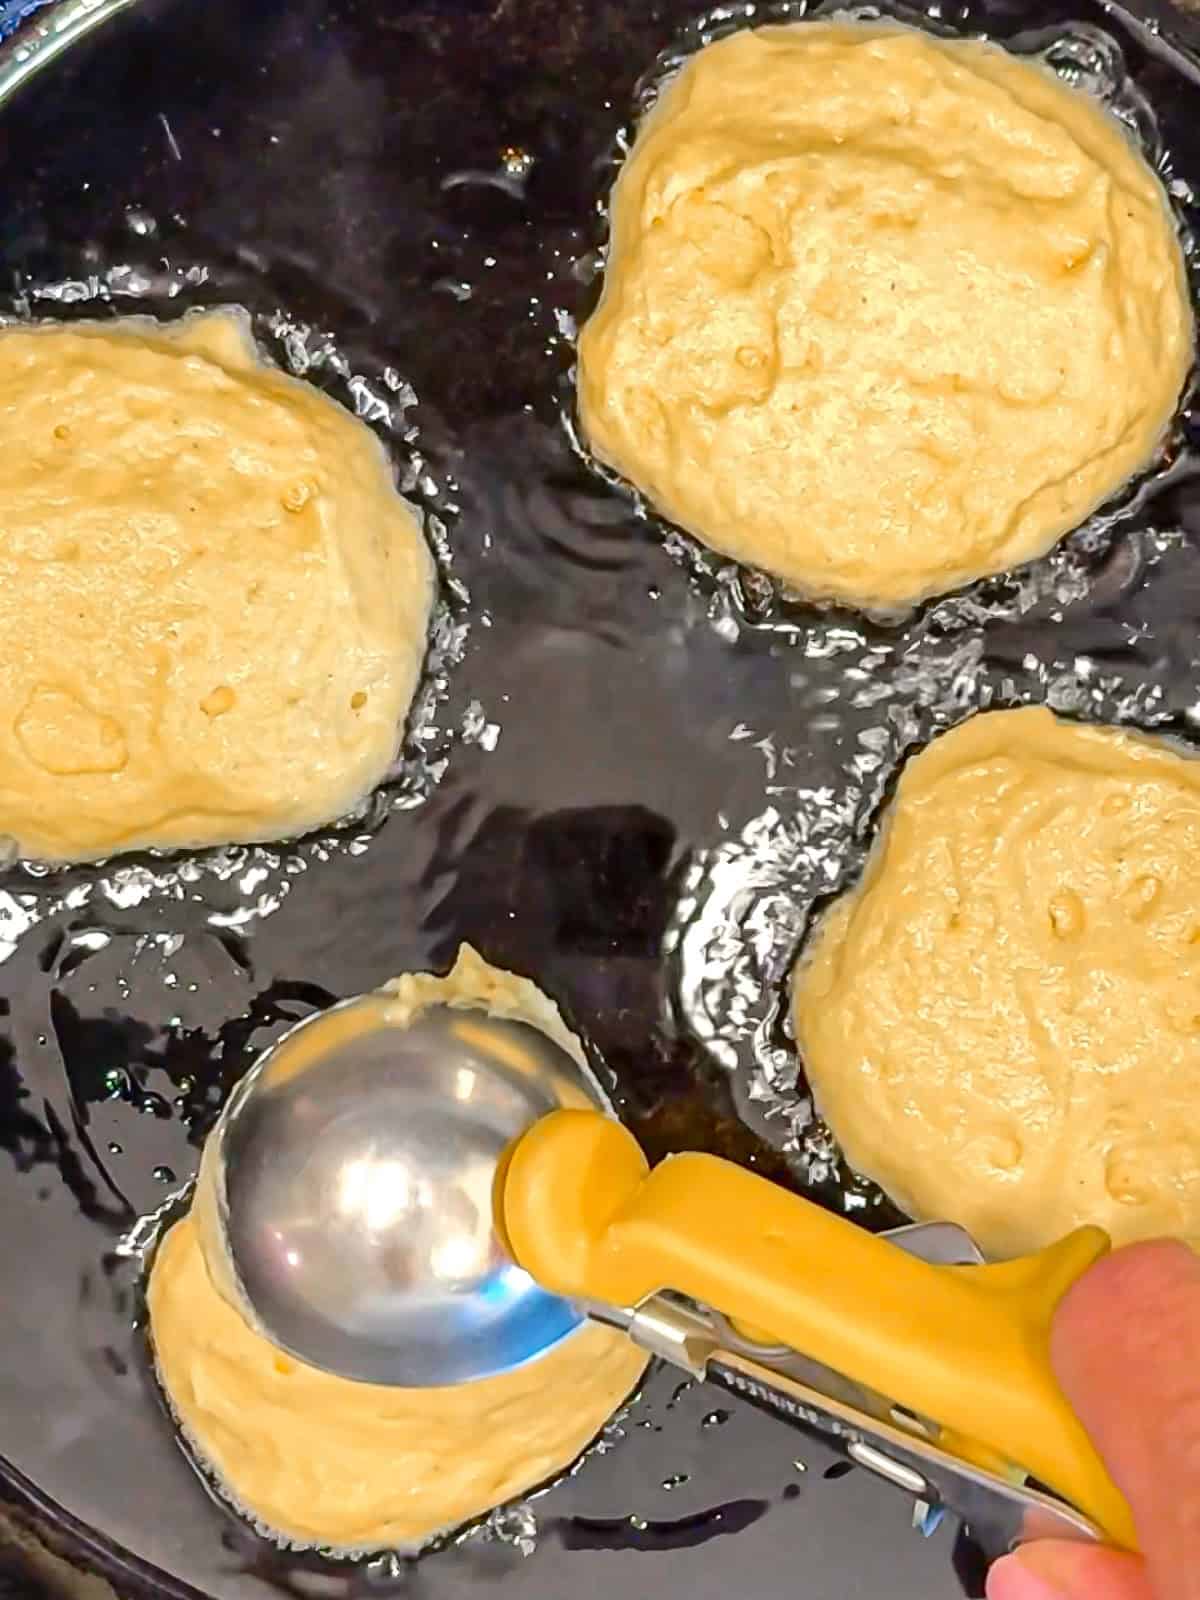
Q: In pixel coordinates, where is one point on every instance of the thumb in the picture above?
(1126, 1349)
(1053, 1570)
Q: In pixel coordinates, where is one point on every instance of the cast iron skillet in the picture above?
(642, 771)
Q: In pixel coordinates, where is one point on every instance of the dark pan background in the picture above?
(299, 153)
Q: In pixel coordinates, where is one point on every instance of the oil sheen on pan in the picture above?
(634, 767)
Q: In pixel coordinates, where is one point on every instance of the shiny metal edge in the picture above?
(1000, 1514)
(45, 33)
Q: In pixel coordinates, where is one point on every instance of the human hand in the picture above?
(1126, 1349)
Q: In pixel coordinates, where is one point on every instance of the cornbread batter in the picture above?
(1002, 1022)
(213, 600)
(315, 1459)
(882, 312)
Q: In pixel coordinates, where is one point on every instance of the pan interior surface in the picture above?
(634, 771)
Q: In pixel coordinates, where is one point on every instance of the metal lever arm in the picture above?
(999, 1512)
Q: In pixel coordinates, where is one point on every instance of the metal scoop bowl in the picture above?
(345, 1196)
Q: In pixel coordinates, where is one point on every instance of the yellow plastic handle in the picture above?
(967, 1346)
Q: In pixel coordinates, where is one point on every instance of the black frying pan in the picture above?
(631, 730)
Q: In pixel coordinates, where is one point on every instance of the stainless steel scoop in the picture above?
(348, 1188)
(346, 1203)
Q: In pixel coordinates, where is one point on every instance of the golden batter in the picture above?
(1002, 1022)
(315, 1459)
(213, 600)
(882, 312)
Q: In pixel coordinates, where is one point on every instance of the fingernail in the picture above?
(1041, 1571)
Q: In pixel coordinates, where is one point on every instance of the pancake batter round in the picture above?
(882, 313)
(1001, 1022)
(314, 1459)
(215, 601)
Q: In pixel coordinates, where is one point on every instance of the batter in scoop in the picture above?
(214, 602)
(318, 1460)
(882, 312)
(1001, 1023)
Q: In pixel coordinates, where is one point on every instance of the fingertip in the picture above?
(1058, 1570)
(1009, 1579)
(1125, 1345)
(1125, 1338)
(1133, 1278)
